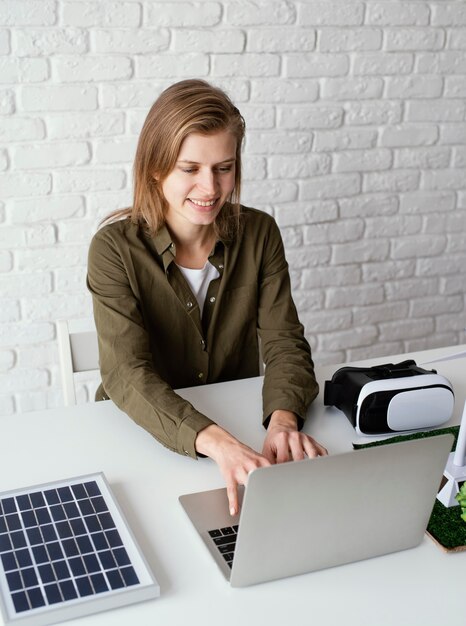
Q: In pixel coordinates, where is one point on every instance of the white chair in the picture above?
(78, 352)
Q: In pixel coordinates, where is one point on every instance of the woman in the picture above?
(185, 281)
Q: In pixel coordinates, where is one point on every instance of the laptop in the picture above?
(308, 515)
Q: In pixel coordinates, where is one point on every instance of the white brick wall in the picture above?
(356, 144)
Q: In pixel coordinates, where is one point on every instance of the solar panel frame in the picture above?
(49, 548)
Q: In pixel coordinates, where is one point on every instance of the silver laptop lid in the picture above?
(318, 513)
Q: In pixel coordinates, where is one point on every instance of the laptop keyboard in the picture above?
(225, 540)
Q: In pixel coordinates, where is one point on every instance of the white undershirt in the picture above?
(199, 280)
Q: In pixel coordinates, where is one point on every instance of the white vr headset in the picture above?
(390, 398)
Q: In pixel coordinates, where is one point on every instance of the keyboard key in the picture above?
(227, 531)
(215, 533)
(221, 541)
(229, 547)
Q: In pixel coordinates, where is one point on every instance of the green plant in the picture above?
(461, 497)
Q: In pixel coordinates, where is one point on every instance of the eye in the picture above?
(225, 168)
(188, 170)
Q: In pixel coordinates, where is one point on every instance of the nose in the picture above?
(207, 182)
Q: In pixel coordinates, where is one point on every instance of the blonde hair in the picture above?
(189, 106)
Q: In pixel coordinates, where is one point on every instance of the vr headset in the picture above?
(390, 398)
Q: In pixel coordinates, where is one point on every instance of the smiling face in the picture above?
(201, 181)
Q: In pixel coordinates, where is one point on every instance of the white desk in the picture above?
(422, 586)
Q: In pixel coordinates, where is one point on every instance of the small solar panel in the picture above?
(66, 551)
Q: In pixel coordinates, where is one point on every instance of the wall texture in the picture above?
(356, 143)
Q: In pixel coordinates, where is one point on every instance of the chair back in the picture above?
(78, 352)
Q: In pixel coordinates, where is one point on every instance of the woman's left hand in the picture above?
(284, 442)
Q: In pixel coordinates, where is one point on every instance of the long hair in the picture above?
(189, 106)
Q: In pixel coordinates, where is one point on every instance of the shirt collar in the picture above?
(163, 241)
(166, 247)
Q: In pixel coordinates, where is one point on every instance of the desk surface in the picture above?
(422, 586)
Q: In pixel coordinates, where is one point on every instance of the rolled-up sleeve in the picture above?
(126, 360)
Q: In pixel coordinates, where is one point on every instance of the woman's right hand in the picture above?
(235, 460)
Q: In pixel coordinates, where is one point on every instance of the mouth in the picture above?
(206, 207)
(203, 203)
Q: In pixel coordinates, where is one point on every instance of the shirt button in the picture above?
(189, 304)
(212, 299)
(220, 267)
(186, 452)
(200, 375)
(202, 344)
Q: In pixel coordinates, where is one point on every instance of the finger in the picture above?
(313, 449)
(232, 493)
(282, 443)
(283, 455)
(259, 461)
(297, 448)
(320, 449)
(269, 453)
(264, 462)
(240, 477)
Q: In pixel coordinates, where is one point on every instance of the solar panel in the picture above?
(66, 551)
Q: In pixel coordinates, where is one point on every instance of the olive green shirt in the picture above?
(153, 338)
